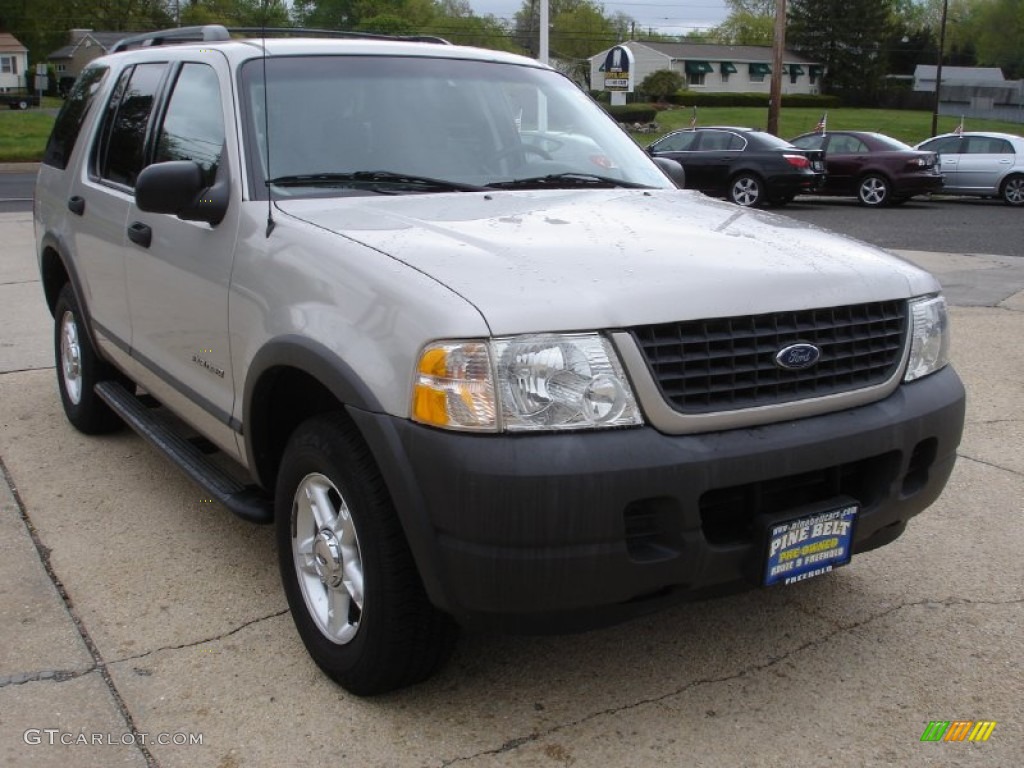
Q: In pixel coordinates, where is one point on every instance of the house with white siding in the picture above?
(718, 68)
(13, 63)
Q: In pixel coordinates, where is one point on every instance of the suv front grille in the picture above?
(726, 364)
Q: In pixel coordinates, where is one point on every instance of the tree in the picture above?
(847, 37)
(661, 84)
(237, 13)
(744, 28)
(999, 30)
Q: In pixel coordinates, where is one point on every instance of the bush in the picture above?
(661, 84)
(631, 113)
(693, 99)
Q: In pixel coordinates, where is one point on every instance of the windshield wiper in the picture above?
(568, 179)
(372, 177)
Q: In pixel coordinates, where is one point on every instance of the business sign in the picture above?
(618, 69)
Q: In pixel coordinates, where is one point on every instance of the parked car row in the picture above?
(753, 168)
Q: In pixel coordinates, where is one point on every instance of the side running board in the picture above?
(247, 501)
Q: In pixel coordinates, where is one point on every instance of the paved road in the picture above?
(128, 606)
(946, 224)
(16, 192)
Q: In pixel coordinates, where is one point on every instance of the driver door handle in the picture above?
(140, 234)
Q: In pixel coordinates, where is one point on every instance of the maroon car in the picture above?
(877, 169)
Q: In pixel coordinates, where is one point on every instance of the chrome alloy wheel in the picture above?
(874, 191)
(746, 191)
(1013, 190)
(328, 562)
(71, 357)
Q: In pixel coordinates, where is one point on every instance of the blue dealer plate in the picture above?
(809, 546)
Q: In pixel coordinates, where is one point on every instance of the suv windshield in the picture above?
(337, 121)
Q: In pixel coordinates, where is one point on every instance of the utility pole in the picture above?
(778, 46)
(543, 32)
(938, 67)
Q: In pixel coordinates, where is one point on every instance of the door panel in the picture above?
(178, 283)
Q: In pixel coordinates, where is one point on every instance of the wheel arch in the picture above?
(290, 380)
(55, 269)
(1015, 174)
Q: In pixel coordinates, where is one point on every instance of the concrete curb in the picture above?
(19, 167)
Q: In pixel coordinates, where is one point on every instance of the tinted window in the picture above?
(72, 115)
(947, 145)
(984, 145)
(193, 128)
(888, 142)
(677, 142)
(809, 142)
(131, 109)
(716, 141)
(846, 145)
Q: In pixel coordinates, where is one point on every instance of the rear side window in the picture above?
(985, 145)
(124, 139)
(72, 116)
(947, 145)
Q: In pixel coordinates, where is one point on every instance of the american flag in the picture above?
(820, 127)
(693, 120)
(959, 130)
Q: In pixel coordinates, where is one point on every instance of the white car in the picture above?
(981, 163)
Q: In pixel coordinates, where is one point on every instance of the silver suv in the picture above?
(432, 313)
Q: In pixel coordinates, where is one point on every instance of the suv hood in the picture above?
(588, 259)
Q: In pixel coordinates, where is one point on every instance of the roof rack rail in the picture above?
(207, 33)
(313, 32)
(211, 33)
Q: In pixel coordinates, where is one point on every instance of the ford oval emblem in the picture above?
(796, 357)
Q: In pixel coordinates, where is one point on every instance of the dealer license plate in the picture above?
(810, 546)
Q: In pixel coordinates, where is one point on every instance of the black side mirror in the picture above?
(673, 169)
(177, 187)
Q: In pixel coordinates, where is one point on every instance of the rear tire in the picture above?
(747, 190)
(874, 191)
(1013, 190)
(355, 595)
(80, 369)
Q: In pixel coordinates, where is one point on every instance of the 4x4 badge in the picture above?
(796, 357)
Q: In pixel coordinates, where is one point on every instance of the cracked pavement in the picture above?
(130, 608)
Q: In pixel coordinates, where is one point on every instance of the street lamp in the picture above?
(938, 68)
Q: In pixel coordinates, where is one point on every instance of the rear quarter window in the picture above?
(72, 116)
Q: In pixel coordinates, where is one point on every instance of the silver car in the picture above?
(981, 163)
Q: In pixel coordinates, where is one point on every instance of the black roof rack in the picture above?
(212, 33)
(209, 33)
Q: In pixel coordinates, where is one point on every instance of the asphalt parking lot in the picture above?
(136, 619)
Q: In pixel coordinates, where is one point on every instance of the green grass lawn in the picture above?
(909, 126)
(23, 134)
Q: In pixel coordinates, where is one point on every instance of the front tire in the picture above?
(352, 585)
(874, 191)
(747, 190)
(1013, 191)
(80, 369)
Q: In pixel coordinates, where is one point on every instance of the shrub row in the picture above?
(694, 99)
(632, 113)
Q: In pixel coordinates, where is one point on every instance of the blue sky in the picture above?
(674, 18)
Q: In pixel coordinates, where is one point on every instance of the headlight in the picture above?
(929, 346)
(542, 382)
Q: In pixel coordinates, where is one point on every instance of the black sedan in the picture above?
(877, 169)
(747, 166)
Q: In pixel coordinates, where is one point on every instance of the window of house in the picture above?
(8, 65)
(695, 78)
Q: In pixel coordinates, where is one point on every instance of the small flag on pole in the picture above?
(959, 130)
(820, 127)
(693, 120)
